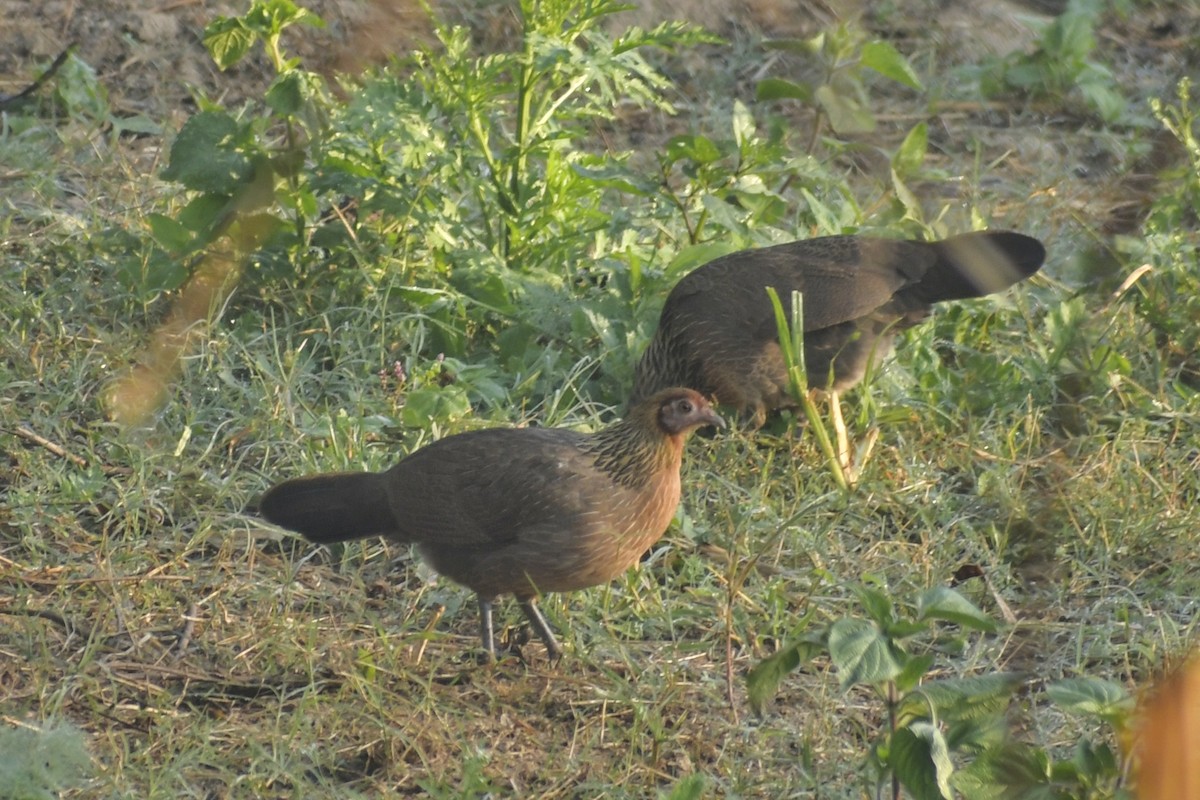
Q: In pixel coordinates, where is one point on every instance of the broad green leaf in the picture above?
(919, 757)
(694, 255)
(861, 653)
(203, 157)
(887, 61)
(203, 211)
(914, 670)
(1091, 696)
(780, 89)
(286, 93)
(877, 605)
(1011, 771)
(169, 233)
(228, 40)
(954, 699)
(846, 114)
(423, 407)
(699, 149)
(944, 603)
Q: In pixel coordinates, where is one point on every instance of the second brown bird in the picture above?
(717, 331)
(518, 511)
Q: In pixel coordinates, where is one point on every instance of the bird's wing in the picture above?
(484, 488)
(841, 278)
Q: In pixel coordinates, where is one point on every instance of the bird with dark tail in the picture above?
(717, 331)
(518, 511)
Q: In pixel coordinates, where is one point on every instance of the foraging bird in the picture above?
(717, 332)
(519, 510)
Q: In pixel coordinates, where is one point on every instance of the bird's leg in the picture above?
(541, 628)
(485, 629)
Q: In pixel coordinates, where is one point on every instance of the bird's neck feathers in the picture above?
(636, 450)
(659, 368)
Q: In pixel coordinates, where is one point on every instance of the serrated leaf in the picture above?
(887, 61)
(1091, 696)
(203, 158)
(921, 760)
(944, 603)
(780, 89)
(228, 40)
(861, 653)
(954, 699)
(1008, 771)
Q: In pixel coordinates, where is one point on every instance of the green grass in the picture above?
(1052, 442)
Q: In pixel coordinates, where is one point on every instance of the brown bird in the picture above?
(518, 510)
(717, 331)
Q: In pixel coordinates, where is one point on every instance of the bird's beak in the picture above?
(713, 418)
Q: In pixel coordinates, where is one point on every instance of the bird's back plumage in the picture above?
(717, 332)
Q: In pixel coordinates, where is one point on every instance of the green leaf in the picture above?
(887, 61)
(877, 605)
(169, 233)
(1091, 696)
(203, 157)
(689, 788)
(744, 127)
(919, 757)
(912, 206)
(911, 153)
(423, 407)
(944, 603)
(1011, 771)
(861, 653)
(780, 89)
(914, 670)
(954, 699)
(286, 94)
(228, 40)
(203, 211)
(846, 114)
(694, 255)
(763, 680)
(698, 149)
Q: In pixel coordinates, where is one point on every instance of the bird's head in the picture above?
(680, 411)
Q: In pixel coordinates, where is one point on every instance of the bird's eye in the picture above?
(685, 406)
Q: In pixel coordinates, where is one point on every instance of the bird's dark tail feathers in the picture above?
(329, 508)
(978, 264)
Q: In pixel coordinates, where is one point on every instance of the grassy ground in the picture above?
(1050, 436)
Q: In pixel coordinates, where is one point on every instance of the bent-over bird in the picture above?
(517, 511)
(717, 331)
